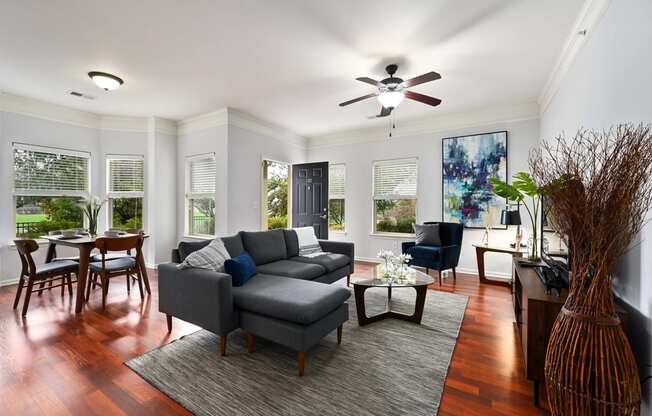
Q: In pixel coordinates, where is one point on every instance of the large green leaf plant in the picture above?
(522, 187)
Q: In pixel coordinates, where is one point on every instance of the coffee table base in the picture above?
(363, 319)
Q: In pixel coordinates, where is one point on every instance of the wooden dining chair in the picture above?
(123, 266)
(60, 271)
(118, 255)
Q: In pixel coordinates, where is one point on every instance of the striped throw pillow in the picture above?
(211, 257)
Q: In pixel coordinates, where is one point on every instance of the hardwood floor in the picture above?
(56, 363)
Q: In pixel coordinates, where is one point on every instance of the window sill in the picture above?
(337, 232)
(402, 236)
(200, 237)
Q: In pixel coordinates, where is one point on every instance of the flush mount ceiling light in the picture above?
(105, 81)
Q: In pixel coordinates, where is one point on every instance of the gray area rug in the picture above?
(389, 367)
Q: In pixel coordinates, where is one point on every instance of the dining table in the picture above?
(85, 244)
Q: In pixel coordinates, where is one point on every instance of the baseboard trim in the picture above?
(8, 282)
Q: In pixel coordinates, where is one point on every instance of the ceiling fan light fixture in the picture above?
(391, 99)
(107, 82)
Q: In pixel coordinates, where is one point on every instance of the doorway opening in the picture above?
(275, 195)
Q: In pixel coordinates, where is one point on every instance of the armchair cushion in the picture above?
(427, 235)
(424, 252)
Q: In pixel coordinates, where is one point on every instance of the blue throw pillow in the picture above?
(241, 268)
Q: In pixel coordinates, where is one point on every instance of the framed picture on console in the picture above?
(467, 164)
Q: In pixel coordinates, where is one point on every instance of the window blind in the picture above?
(45, 171)
(202, 172)
(126, 175)
(395, 179)
(336, 181)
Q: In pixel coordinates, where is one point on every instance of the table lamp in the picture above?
(512, 217)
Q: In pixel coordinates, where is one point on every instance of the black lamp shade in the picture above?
(510, 217)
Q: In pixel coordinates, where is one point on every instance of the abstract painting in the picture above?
(468, 163)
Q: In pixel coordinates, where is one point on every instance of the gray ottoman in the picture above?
(291, 312)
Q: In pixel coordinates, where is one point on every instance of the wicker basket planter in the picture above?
(599, 191)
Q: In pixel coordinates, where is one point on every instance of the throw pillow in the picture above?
(427, 235)
(241, 268)
(211, 257)
(308, 244)
(186, 248)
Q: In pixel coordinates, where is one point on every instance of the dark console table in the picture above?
(535, 312)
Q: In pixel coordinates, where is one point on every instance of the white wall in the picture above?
(358, 158)
(609, 83)
(247, 149)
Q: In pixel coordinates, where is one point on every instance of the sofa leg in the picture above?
(301, 361)
(454, 275)
(250, 343)
(222, 345)
(427, 271)
(348, 280)
(339, 334)
(439, 274)
(169, 319)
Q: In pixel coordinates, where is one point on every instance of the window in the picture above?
(125, 191)
(275, 200)
(200, 195)
(336, 186)
(395, 195)
(49, 184)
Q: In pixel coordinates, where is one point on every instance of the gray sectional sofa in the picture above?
(288, 301)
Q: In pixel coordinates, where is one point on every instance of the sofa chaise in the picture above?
(289, 301)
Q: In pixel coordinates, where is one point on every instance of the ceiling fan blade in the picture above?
(370, 81)
(422, 98)
(355, 100)
(430, 76)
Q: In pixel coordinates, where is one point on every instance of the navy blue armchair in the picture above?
(442, 257)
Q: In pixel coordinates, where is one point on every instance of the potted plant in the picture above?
(522, 187)
(598, 192)
(91, 209)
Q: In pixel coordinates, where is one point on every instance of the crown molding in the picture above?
(203, 122)
(17, 104)
(589, 16)
(164, 126)
(126, 124)
(31, 107)
(248, 122)
(428, 125)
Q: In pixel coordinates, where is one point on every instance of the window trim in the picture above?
(374, 198)
(343, 231)
(110, 195)
(203, 195)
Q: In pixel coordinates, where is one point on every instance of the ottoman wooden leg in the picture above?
(250, 343)
(168, 317)
(339, 334)
(301, 360)
(222, 345)
(348, 280)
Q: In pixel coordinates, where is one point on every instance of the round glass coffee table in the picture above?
(403, 278)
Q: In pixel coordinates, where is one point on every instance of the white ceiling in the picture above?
(286, 62)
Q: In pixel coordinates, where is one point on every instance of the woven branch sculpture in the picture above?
(599, 188)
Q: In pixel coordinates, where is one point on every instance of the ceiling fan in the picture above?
(392, 90)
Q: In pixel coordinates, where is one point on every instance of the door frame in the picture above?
(263, 191)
